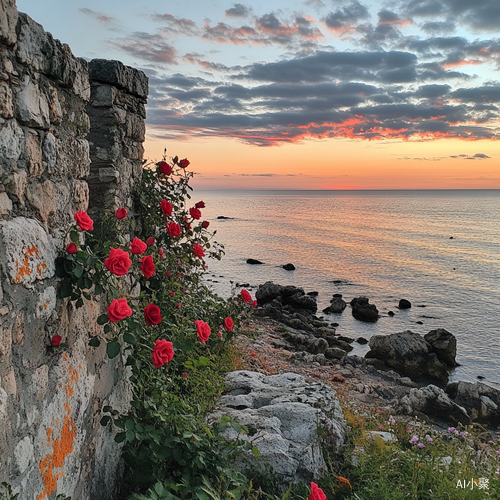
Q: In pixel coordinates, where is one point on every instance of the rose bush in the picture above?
(170, 310)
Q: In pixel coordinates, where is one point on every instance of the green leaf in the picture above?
(112, 349)
(120, 437)
(255, 451)
(65, 290)
(129, 338)
(129, 424)
(107, 409)
(102, 319)
(87, 283)
(68, 264)
(98, 289)
(79, 303)
(80, 254)
(107, 328)
(202, 361)
(105, 420)
(74, 237)
(90, 260)
(95, 342)
(78, 271)
(130, 436)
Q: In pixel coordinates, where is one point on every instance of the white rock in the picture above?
(33, 105)
(286, 417)
(11, 141)
(26, 251)
(387, 437)
(24, 454)
(6, 109)
(46, 302)
(5, 204)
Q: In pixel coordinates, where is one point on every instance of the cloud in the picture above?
(477, 156)
(147, 47)
(345, 19)
(238, 10)
(104, 19)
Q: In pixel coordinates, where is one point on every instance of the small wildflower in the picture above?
(463, 434)
(392, 420)
(419, 464)
(451, 429)
(430, 440)
(420, 445)
(473, 462)
(498, 451)
(171, 293)
(414, 439)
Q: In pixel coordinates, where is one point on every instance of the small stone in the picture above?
(254, 261)
(404, 304)
(288, 267)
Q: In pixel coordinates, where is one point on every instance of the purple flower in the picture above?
(414, 439)
(498, 451)
(463, 434)
(473, 462)
(430, 440)
(451, 429)
(420, 445)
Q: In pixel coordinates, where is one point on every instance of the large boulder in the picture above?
(362, 310)
(410, 354)
(270, 291)
(444, 344)
(433, 402)
(288, 421)
(481, 401)
(303, 302)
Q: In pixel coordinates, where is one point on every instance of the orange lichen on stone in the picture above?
(62, 445)
(25, 270)
(40, 268)
(46, 305)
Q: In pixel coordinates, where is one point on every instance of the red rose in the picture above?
(121, 213)
(166, 207)
(56, 340)
(118, 262)
(118, 309)
(137, 246)
(246, 296)
(71, 248)
(203, 330)
(162, 255)
(168, 273)
(200, 204)
(173, 229)
(205, 224)
(148, 266)
(316, 493)
(179, 305)
(150, 241)
(195, 213)
(228, 323)
(165, 168)
(152, 315)
(84, 221)
(198, 251)
(163, 352)
(254, 303)
(184, 163)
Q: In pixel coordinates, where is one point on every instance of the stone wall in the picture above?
(63, 129)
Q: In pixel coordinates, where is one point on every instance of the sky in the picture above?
(307, 94)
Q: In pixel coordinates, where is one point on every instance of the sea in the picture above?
(439, 249)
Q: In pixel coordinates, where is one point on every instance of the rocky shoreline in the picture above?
(403, 373)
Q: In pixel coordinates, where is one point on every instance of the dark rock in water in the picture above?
(481, 401)
(334, 324)
(362, 310)
(444, 344)
(289, 267)
(337, 305)
(419, 322)
(361, 340)
(410, 354)
(434, 402)
(254, 261)
(333, 342)
(224, 217)
(302, 301)
(390, 313)
(480, 377)
(404, 304)
(313, 294)
(269, 291)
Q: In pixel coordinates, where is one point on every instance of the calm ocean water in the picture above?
(385, 245)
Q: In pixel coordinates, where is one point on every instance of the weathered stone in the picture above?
(408, 353)
(33, 105)
(289, 267)
(46, 302)
(50, 151)
(433, 402)
(27, 254)
(30, 42)
(301, 301)
(81, 195)
(102, 96)
(335, 353)
(337, 305)
(5, 204)
(6, 108)
(42, 197)
(5, 341)
(11, 145)
(24, 454)
(285, 417)
(9, 382)
(444, 344)
(8, 22)
(16, 186)
(55, 109)
(481, 401)
(117, 74)
(33, 154)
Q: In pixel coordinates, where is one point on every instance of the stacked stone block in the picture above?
(117, 112)
(51, 441)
